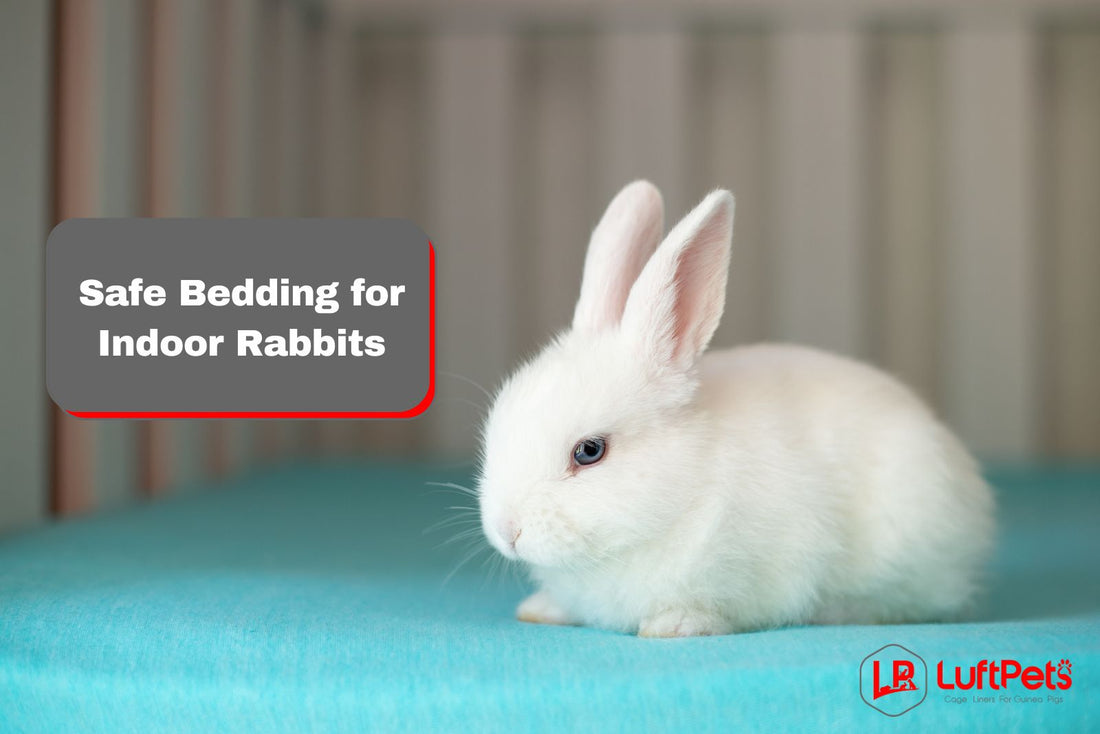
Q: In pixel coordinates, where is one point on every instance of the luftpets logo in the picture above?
(894, 680)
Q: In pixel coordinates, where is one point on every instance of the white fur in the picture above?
(748, 488)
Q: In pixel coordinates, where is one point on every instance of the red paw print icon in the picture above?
(1065, 666)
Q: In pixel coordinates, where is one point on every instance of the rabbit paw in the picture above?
(681, 623)
(539, 608)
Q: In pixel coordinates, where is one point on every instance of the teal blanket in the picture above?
(312, 599)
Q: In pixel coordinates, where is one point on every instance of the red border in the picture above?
(410, 413)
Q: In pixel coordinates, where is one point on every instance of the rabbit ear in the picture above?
(624, 239)
(677, 301)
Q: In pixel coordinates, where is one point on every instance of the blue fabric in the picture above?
(312, 600)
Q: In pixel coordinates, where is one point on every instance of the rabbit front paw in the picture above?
(540, 608)
(682, 623)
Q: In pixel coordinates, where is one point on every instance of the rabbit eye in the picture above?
(589, 451)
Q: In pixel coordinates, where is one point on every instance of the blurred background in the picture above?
(918, 185)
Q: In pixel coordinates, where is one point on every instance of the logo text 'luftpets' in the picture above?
(998, 674)
(894, 679)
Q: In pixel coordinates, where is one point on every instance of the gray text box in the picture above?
(92, 374)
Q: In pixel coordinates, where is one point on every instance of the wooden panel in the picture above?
(179, 104)
(222, 436)
(390, 112)
(989, 346)
(1073, 272)
(643, 88)
(120, 164)
(121, 113)
(179, 129)
(246, 133)
(730, 106)
(271, 436)
(234, 76)
(293, 201)
(905, 204)
(472, 103)
(24, 208)
(340, 83)
(560, 205)
(237, 80)
(266, 128)
(337, 83)
(308, 439)
(820, 285)
(79, 58)
(291, 113)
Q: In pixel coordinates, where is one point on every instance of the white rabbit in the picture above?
(651, 488)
